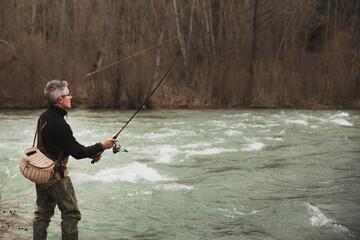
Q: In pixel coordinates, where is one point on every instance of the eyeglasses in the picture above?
(69, 94)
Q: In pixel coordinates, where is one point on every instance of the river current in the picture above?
(199, 174)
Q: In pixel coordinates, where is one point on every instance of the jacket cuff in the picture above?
(100, 147)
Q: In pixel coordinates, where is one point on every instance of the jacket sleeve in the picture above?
(74, 148)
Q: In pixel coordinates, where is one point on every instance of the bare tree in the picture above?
(233, 52)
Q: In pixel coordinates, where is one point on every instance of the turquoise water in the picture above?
(212, 174)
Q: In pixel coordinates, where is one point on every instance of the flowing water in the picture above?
(210, 174)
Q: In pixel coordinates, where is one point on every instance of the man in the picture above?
(56, 140)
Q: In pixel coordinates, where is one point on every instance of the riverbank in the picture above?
(23, 103)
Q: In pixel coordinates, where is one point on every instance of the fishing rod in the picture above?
(133, 55)
(117, 147)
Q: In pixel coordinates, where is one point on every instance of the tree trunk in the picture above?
(252, 53)
(33, 18)
(96, 88)
(181, 38)
(158, 56)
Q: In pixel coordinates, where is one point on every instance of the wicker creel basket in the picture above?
(35, 166)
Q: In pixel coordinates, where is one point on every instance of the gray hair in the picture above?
(55, 89)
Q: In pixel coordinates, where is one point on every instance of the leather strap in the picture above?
(40, 144)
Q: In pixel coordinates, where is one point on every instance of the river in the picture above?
(199, 174)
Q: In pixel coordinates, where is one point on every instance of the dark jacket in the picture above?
(57, 136)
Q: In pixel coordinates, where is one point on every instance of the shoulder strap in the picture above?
(38, 132)
(38, 135)
(35, 138)
(59, 159)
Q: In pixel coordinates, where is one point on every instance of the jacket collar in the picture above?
(57, 110)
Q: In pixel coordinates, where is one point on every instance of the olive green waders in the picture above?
(62, 194)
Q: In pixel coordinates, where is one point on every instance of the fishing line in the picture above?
(117, 147)
(135, 54)
(143, 106)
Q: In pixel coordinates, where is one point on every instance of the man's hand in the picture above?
(108, 143)
(96, 157)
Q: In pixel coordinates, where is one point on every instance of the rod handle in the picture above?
(92, 162)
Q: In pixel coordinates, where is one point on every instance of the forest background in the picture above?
(233, 53)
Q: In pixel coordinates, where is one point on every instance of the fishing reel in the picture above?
(117, 148)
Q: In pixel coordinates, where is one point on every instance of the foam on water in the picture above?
(175, 123)
(218, 123)
(257, 126)
(340, 114)
(132, 172)
(271, 125)
(281, 132)
(158, 153)
(164, 133)
(240, 125)
(318, 219)
(231, 213)
(239, 115)
(153, 135)
(342, 122)
(233, 133)
(135, 194)
(166, 153)
(174, 187)
(220, 140)
(253, 146)
(197, 145)
(302, 122)
(209, 151)
(275, 139)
